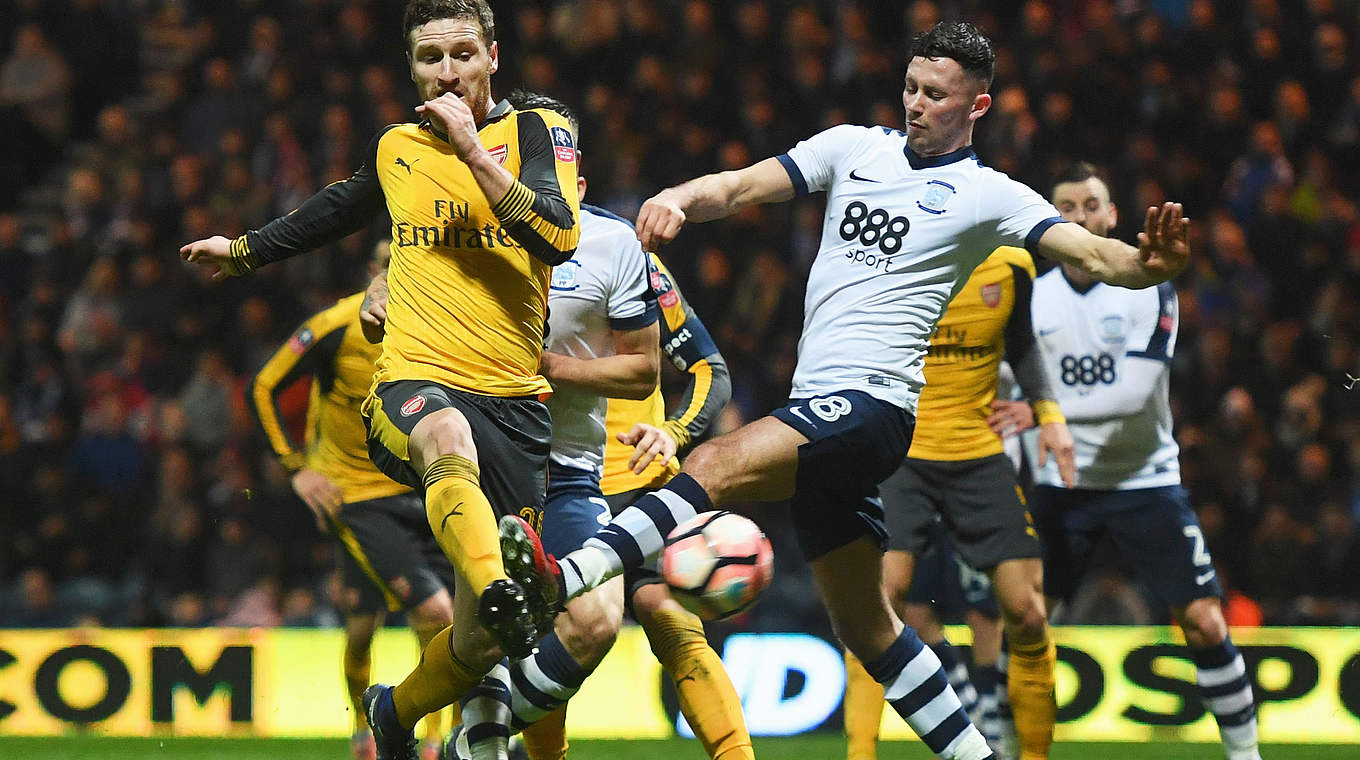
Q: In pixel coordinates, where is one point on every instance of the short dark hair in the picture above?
(961, 41)
(526, 99)
(418, 13)
(1080, 171)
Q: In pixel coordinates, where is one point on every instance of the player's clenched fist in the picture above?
(659, 220)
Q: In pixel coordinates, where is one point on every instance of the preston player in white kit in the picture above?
(908, 217)
(1108, 353)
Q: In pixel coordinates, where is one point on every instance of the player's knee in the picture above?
(434, 613)
(1203, 623)
(591, 625)
(1025, 614)
(707, 464)
(444, 432)
(650, 599)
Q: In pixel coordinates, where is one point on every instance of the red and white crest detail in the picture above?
(412, 405)
(500, 152)
(991, 294)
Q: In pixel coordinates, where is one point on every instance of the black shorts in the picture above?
(854, 441)
(978, 500)
(945, 581)
(512, 436)
(1154, 530)
(389, 559)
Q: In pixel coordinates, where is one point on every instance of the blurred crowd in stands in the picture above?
(134, 490)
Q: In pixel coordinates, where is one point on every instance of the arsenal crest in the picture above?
(991, 294)
(499, 153)
(412, 405)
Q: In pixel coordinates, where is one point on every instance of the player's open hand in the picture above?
(450, 115)
(373, 310)
(319, 494)
(214, 254)
(659, 220)
(648, 442)
(1056, 439)
(1164, 243)
(1010, 418)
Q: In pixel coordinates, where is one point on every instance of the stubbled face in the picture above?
(448, 55)
(941, 101)
(1087, 203)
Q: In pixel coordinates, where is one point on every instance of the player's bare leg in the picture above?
(1018, 584)
(707, 698)
(1222, 676)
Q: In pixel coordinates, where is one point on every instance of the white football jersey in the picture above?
(1107, 351)
(901, 235)
(603, 287)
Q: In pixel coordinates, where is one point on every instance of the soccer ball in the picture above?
(716, 564)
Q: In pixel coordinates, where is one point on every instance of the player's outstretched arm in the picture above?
(712, 196)
(1163, 249)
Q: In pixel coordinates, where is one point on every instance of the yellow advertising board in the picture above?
(1114, 684)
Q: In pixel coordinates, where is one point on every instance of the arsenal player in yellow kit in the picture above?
(956, 473)
(387, 558)
(482, 205)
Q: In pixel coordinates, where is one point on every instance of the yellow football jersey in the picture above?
(965, 356)
(468, 279)
(686, 342)
(330, 347)
(468, 301)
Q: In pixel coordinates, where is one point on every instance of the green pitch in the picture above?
(821, 747)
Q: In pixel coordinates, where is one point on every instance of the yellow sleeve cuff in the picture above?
(1047, 411)
(294, 461)
(515, 204)
(240, 257)
(677, 431)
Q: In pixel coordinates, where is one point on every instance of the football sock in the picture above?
(957, 673)
(987, 679)
(1030, 686)
(1005, 717)
(486, 715)
(707, 699)
(917, 688)
(514, 696)
(462, 520)
(433, 722)
(863, 710)
(547, 739)
(358, 671)
(1226, 690)
(439, 679)
(635, 537)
